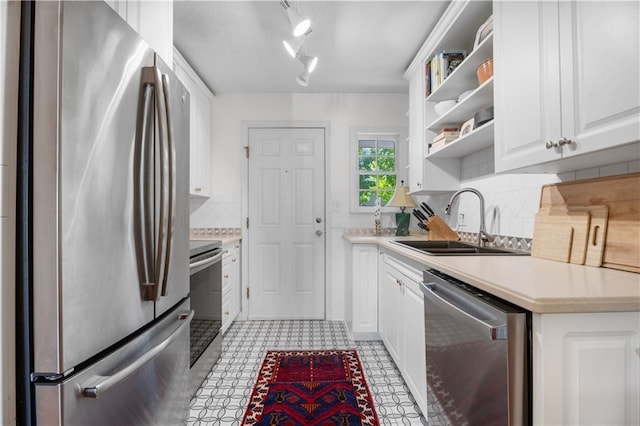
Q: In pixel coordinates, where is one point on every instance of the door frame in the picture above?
(246, 234)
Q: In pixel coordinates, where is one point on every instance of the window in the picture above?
(377, 168)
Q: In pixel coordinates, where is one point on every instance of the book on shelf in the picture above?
(447, 137)
(437, 146)
(440, 67)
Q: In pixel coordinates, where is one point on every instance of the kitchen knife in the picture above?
(419, 215)
(427, 209)
(423, 226)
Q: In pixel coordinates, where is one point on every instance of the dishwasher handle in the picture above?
(493, 332)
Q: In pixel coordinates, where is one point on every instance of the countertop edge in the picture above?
(535, 304)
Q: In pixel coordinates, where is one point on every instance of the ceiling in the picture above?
(363, 46)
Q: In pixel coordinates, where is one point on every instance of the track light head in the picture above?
(294, 44)
(303, 79)
(309, 62)
(299, 24)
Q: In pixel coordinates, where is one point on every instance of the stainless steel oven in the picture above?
(478, 355)
(205, 267)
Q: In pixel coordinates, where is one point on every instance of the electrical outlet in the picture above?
(462, 218)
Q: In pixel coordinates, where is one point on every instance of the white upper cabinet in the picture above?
(435, 171)
(200, 127)
(567, 91)
(153, 20)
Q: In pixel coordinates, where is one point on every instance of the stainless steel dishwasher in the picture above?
(478, 355)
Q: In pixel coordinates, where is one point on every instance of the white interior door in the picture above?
(286, 223)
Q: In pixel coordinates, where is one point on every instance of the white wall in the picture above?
(341, 111)
(9, 42)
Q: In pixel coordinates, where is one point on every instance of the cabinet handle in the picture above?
(226, 276)
(226, 313)
(561, 142)
(234, 260)
(198, 189)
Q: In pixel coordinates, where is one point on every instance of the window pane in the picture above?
(367, 198)
(387, 182)
(387, 148)
(366, 147)
(385, 196)
(368, 181)
(387, 164)
(367, 163)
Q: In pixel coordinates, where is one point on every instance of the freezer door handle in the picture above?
(105, 383)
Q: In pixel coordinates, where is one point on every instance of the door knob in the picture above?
(318, 220)
(319, 233)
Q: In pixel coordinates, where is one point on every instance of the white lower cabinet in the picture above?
(230, 284)
(586, 369)
(361, 292)
(401, 322)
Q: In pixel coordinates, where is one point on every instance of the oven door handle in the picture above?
(206, 262)
(491, 331)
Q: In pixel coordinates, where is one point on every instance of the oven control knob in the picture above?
(319, 233)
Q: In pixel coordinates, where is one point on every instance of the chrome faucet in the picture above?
(483, 235)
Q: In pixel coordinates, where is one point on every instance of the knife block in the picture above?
(439, 230)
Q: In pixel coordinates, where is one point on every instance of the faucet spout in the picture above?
(483, 235)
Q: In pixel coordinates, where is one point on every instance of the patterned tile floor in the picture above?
(222, 398)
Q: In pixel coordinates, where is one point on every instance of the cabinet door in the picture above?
(414, 348)
(600, 65)
(527, 89)
(365, 296)
(390, 299)
(586, 369)
(235, 281)
(416, 132)
(200, 130)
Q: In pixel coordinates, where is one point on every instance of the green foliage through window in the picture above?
(377, 170)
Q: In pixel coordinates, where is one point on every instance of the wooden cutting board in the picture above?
(561, 235)
(597, 232)
(621, 194)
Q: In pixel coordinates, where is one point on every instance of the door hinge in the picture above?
(247, 292)
(247, 222)
(246, 151)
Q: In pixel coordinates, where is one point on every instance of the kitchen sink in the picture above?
(456, 248)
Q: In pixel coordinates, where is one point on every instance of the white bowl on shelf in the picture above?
(465, 95)
(441, 108)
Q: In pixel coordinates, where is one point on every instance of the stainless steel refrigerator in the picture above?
(102, 249)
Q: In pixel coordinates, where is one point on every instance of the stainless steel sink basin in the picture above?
(456, 248)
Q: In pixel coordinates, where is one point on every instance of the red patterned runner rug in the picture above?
(311, 388)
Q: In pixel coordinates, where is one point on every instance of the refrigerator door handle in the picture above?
(163, 205)
(171, 181)
(143, 195)
(108, 382)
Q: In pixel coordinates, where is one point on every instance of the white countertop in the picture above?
(538, 285)
(225, 239)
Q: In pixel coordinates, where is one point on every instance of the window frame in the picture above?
(357, 134)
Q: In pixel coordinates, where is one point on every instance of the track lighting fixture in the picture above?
(299, 24)
(301, 27)
(309, 62)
